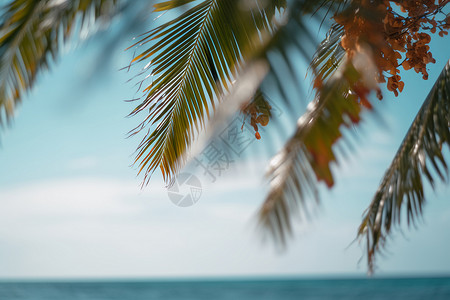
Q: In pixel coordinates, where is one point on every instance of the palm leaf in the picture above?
(420, 154)
(306, 158)
(193, 60)
(30, 36)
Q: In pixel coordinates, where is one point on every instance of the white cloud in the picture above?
(49, 228)
(95, 227)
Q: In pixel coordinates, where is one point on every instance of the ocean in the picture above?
(376, 288)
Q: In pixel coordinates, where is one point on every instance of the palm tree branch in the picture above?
(31, 32)
(402, 184)
(193, 60)
(307, 156)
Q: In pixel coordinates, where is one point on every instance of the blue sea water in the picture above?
(387, 288)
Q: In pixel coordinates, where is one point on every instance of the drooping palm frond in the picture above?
(306, 158)
(295, 172)
(193, 60)
(420, 154)
(31, 33)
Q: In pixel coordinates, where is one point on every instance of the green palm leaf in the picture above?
(30, 35)
(419, 154)
(306, 158)
(193, 60)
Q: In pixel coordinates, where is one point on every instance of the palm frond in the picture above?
(193, 60)
(306, 158)
(420, 154)
(31, 33)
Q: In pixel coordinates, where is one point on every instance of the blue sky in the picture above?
(72, 206)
